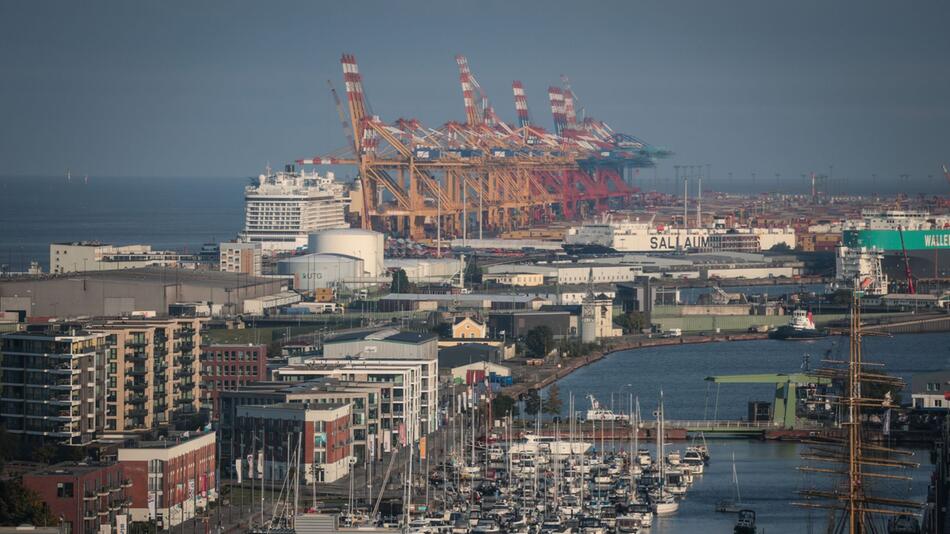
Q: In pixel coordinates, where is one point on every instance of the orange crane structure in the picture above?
(482, 175)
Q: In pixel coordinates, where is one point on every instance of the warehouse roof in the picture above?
(385, 334)
(167, 276)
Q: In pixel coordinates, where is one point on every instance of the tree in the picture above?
(539, 341)
(444, 330)
(19, 504)
(532, 402)
(631, 322)
(780, 247)
(473, 273)
(553, 404)
(400, 283)
(502, 405)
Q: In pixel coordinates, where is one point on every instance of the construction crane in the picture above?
(910, 279)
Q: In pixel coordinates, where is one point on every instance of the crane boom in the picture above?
(342, 114)
(910, 280)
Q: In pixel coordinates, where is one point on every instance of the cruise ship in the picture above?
(634, 235)
(282, 208)
(880, 238)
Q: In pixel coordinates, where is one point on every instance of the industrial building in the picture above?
(471, 301)
(113, 293)
(83, 256)
(364, 244)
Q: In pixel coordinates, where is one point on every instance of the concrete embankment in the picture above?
(546, 375)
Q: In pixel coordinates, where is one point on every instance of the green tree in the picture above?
(444, 330)
(532, 402)
(539, 341)
(780, 247)
(400, 283)
(19, 504)
(553, 404)
(631, 322)
(502, 405)
(473, 273)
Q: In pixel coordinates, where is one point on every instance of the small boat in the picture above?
(694, 461)
(666, 504)
(599, 413)
(801, 326)
(728, 506)
(746, 523)
(628, 524)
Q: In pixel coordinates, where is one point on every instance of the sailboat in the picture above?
(665, 502)
(732, 506)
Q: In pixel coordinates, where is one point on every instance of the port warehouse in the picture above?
(110, 293)
(628, 267)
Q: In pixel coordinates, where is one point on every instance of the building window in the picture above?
(938, 403)
(64, 490)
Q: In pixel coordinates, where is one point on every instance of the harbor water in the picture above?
(767, 470)
(167, 213)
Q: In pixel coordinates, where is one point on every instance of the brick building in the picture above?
(323, 428)
(86, 498)
(228, 367)
(171, 479)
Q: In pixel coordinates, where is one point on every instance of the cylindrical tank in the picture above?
(364, 244)
(315, 271)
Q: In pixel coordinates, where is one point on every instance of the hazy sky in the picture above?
(221, 88)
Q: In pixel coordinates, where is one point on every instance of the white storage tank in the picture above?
(314, 271)
(364, 244)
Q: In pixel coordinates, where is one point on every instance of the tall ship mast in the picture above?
(282, 208)
(849, 459)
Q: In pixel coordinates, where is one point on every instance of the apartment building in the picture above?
(322, 429)
(86, 498)
(243, 258)
(51, 377)
(225, 367)
(400, 399)
(171, 480)
(389, 347)
(152, 369)
(370, 415)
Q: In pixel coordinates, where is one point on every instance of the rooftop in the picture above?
(385, 334)
(76, 469)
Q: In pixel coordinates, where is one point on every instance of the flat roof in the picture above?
(384, 334)
(70, 469)
(151, 275)
(471, 297)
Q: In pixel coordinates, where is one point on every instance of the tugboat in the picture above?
(746, 523)
(802, 326)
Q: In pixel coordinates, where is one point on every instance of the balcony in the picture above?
(137, 399)
(63, 369)
(89, 496)
(138, 357)
(137, 371)
(63, 384)
(137, 412)
(140, 385)
(89, 516)
(127, 483)
(185, 360)
(135, 343)
(102, 492)
(184, 400)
